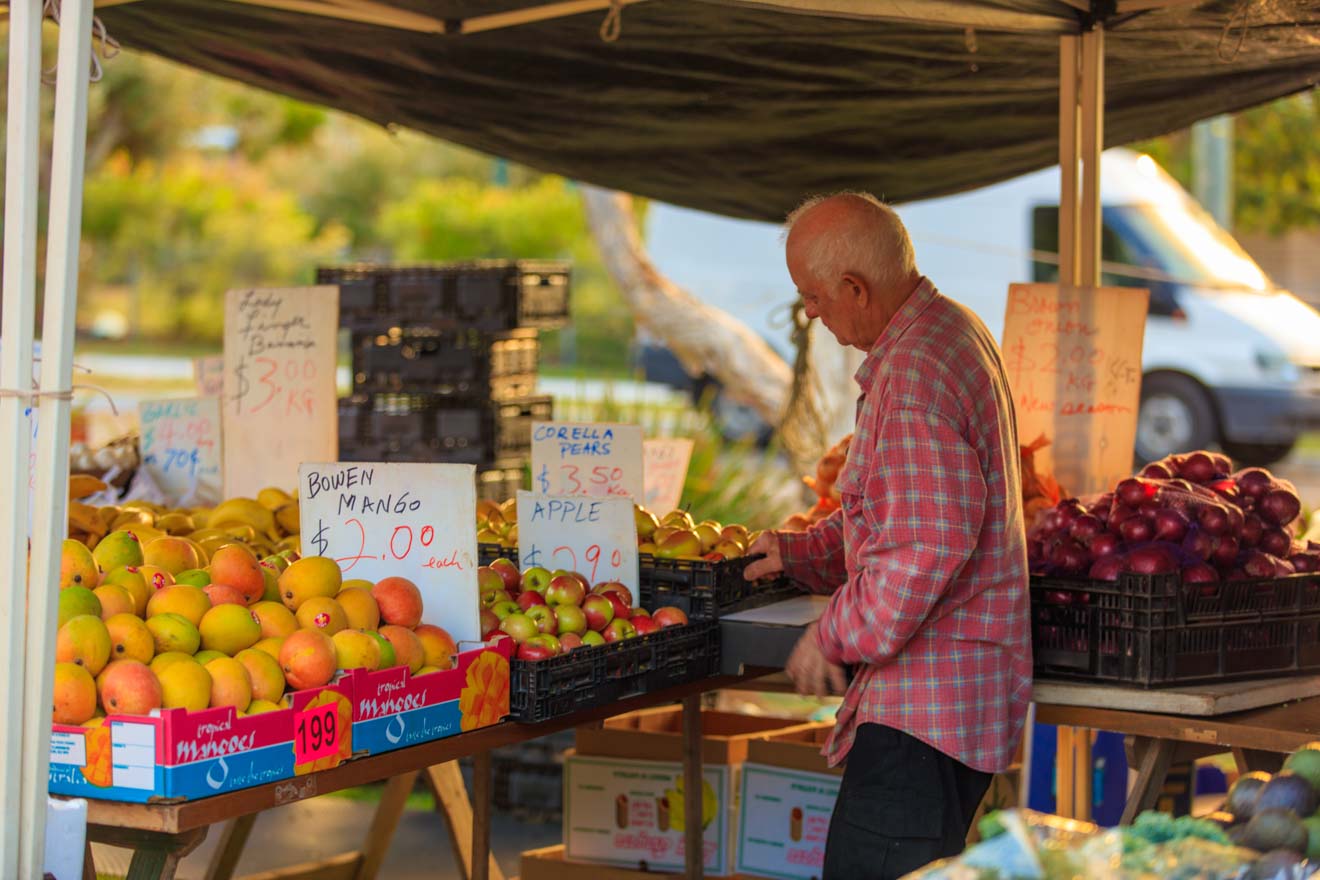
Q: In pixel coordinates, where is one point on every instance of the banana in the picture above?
(133, 517)
(288, 518)
(273, 498)
(176, 523)
(84, 518)
(82, 485)
(244, 511)
(108, 514)
(293, 542)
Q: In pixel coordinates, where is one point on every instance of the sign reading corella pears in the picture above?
(587, 458)
(416, 521)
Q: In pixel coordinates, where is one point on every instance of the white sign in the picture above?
(180, 441)
(209, 374)
(666, 467)
(624, 812)
(417, 521)
(279, 386)
(595, 537)
(587, 458)
(784, 818)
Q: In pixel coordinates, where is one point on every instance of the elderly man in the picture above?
(926, 559)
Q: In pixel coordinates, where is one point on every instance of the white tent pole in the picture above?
(20, 295)
(1069, 156)
(1093, 139)
(49, 524)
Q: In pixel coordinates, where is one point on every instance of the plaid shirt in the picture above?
(927, 557)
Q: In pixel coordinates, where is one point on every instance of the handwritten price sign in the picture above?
(1073, 357)
(408, 520)
(279, 384)
(180, 441)
(667, 461)
(596, 537)
(316, 733)
(587, 458)
(209, 374)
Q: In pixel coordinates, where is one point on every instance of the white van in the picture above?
(1228, 358)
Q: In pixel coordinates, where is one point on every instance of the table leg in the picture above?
(233, 838)
(383, 824)
(1153, 759)
(692, 787)
(451, 801)
(89, 863)
(482, 794)
(1254, 759)
(156, 856)
(1064, 772)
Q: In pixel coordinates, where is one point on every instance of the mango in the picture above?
(308, 578)
(230, 683)
(257, 707)
(130, 639)
(77, 566)
(128, 687)
(174, 632)
(276, 620)
(399, 600)
(173, 554)
(113, 599)
(223, 594)
(75, 601)
(270, 645)
(323, 613)
(184, 685)
(85, 641)
(74, 700)
(438, 646)
(387, 658)
(277, 562)
(355, 649)
(408, 649)
(156, 577)
(235, 565)
(308, 659)
(356, 584)
(359, 608)
(229, 629)
(270, 575)
(189, 603)
(163, 661)
(205, 657)
(193, 577)
(130, 577)
(118, 549)
(265, 674)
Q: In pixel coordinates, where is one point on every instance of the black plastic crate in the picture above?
(415, 426)
(704, 590)
(487, 295)
(589, 677)
(488, 553)
(455, 363)
(1153, 630)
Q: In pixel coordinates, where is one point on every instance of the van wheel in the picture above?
(1175, 416)
(1258, 454)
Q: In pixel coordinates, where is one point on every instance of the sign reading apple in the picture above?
(594, 537)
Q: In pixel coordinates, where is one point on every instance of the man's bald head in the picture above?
(851, 233)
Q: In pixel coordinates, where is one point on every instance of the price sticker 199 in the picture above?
(316, 733)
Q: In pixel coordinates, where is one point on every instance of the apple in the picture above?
(622, 611)
(643, 625)
(535, 578)
(503, 609)
(645, 521)
(599, 611)
(615, 587)
(731, 549)
(712, 556)
(682, 544)
(550, 641)
(489, 623)
(592, 639)
(571, 619)
(569, 640)
(544, 616)
(528, 650)
(495, 597)
(635, 612)
(488, 580)
(565, 590)
(670, 616)
(619, 629)
(507, 570)
(528, 599)
(582, 579)
(519, 626)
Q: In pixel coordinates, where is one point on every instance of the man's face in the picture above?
(838, 312)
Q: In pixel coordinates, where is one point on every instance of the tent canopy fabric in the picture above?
(744, 107)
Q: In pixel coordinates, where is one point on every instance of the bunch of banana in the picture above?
(85, 522)
(268, 524)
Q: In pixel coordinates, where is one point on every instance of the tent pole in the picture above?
(52, 490)
(20, 296)
(1093, 138)
(1069, 157)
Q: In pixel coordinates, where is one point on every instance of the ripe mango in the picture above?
(438, 646)
(230, 683)
(173, 554)
(399, 600)
(323, 613)
(161, 662)
(308, 578)
(193, 577)
(128, 687)
(223, 594)
(308, 659)
(78, 600)
(356, 650)
(408, 649)
(130, 577)
(118, 549)
(83, 640)
(265, 674)
(113, 598)
(130, 639)
(229, 629)
(77, 566)
(189, 603)
(236, 566)
(270, 645)
(184, 685)
(174, 632)
(156, 577)
(74, 696)
(388, 660)
(276, 620)
(257, 707)
(359, 608)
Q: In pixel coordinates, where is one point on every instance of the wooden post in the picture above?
(451, 801)
(384, 823)
(1069, 156)
(1153, 759)
(482, 795)
(692, 785)
(1093, 141)
(229, 849)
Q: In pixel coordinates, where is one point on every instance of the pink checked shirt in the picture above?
(926, 558)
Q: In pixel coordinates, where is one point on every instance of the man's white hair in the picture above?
(875, 245)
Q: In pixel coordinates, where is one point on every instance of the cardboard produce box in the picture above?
(623, 788)
(786, 797)
(549, 863)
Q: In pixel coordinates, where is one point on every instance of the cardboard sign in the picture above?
(785, 816)
(180, 443)
(624, 812)
(587, 458)
(416, 521)
(209, 374)
(279, 384)
(316, 733)
(595, 537)
(1073, 356)
(666, 467)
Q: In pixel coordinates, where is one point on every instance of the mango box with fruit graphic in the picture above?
(175, 754)
(393, 710)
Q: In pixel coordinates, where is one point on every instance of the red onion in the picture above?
(1252, 527)
(1259, 564)
(1275, 542)
(1223, 466)
(1156, 471)
(1235, 518)
(1279, 506)
(1181, 485)
(1149, 510)
(1304, 562)
(1085, 528)
(1253, 482)
(1058, 597)
(1199, 574)
(1118, 514)
(1237, 574)
(1283, 568)
(1226, 551)
(1132, 491)
(1107, 568)
(1100, 506)
(1170, 525)
(1200, 543)
(1136, 529)
(1104, 544)
(1152, 559)
(1198, 468)
(1213, 518)
(1070, 557)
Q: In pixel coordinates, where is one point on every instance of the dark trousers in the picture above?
(901, 805)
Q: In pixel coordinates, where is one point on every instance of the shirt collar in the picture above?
(922, 296)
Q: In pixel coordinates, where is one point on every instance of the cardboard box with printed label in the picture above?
(394, 710)
(549, 863)
(786, 797)
(175, 754)
(623, 791)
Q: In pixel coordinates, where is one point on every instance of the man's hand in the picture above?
(811, 672)
(767, 543)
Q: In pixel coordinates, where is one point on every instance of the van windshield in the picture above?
(1180, 244)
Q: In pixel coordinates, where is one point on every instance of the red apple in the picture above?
(503, 609)
(670, 616)
(621, 609)
(535, 578)
(565, 590)
(489, 623)
(571, 619)
(569, 640)
(581, 579)
(615, 587)
(643, 624)
(599, 611)
(509, 572)
(635, 612)
(488, 580)
(495, 597)
(619, 629)
(550, 641)
(592, 639)
(520, 626)
(539, 648)
(544, 616)
(528, 599)
(713, 557)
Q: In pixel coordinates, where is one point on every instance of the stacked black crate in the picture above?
(445, 359)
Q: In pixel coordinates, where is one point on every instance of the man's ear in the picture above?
(856, 287)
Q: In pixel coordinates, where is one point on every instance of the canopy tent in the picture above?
(741, 108)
